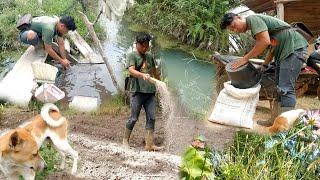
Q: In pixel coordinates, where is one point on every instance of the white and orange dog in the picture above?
(285, 120)
(51, 124)
(19, 155)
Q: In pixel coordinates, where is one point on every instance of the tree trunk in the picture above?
(89, 26)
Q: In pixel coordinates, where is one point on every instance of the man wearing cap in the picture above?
(287, 46)
(45, 29)
(141, 66)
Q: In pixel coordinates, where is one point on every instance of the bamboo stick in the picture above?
(89, 26)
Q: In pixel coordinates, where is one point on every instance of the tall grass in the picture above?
(190, 21)
(116, 105)
(51, 157)
(1, 111)
(288, 155)
(251, 158)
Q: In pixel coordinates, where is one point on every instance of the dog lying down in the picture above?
(285, 121)
(51, 124)
(19, 155)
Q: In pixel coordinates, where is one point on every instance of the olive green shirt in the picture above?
(45, 27)
(287, 41)
(138, 84)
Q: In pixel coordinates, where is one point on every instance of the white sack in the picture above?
(235, 107)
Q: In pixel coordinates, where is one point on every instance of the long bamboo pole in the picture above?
(89, 26)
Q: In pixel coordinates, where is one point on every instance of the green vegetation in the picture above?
(116, 105)
(196, 164)
(1, 111)
(10, 10)
(283, 156)
(51, 157)
(191, 21)
(288, 155)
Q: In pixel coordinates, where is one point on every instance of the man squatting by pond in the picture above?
(43, 30)
(141, 66)
(287, 46)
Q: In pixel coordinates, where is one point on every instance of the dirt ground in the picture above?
(97, 138)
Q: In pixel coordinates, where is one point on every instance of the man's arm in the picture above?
(262, 42)
(54, 55)
(61, 47)
(133, 72)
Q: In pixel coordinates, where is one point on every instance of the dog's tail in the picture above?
(45, 114)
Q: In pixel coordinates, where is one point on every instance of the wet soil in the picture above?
(97, 138)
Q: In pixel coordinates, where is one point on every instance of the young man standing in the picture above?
(288, 47)
(141, 66)
(46, 29)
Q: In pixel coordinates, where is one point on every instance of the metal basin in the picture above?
(244, 77)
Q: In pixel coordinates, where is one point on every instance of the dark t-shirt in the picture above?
(288, 41)
(138, 84)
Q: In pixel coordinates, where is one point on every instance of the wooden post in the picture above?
(280, 11)
(89, 26)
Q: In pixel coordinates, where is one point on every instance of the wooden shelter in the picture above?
(306, 11)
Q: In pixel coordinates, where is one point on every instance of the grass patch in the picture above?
(266, 157)
(35, 105)
(116, 105)
(51, 157)
(1, 111)
(294, 154)
(69, 112)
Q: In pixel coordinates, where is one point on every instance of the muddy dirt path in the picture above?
(98, 140)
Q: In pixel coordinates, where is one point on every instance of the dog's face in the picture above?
(21, 151)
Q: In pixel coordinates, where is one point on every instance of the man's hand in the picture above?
(65, 63)
(146, 77)
(263, 68)
(238, 63)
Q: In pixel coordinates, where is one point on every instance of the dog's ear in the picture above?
(15, 140)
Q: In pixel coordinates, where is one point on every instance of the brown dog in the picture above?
(19, 155)
(51, 124)
(285, 120)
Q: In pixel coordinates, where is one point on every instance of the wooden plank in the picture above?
(259, 6)
(17, 85)
(83, 47)
(284, 1)
(90, 56)
(307, 12)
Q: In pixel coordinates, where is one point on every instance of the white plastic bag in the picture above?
(235, 107)
(49, 93)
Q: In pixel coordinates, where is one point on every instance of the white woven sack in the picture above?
(235, 107)
(241, 93)
(44, 72)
